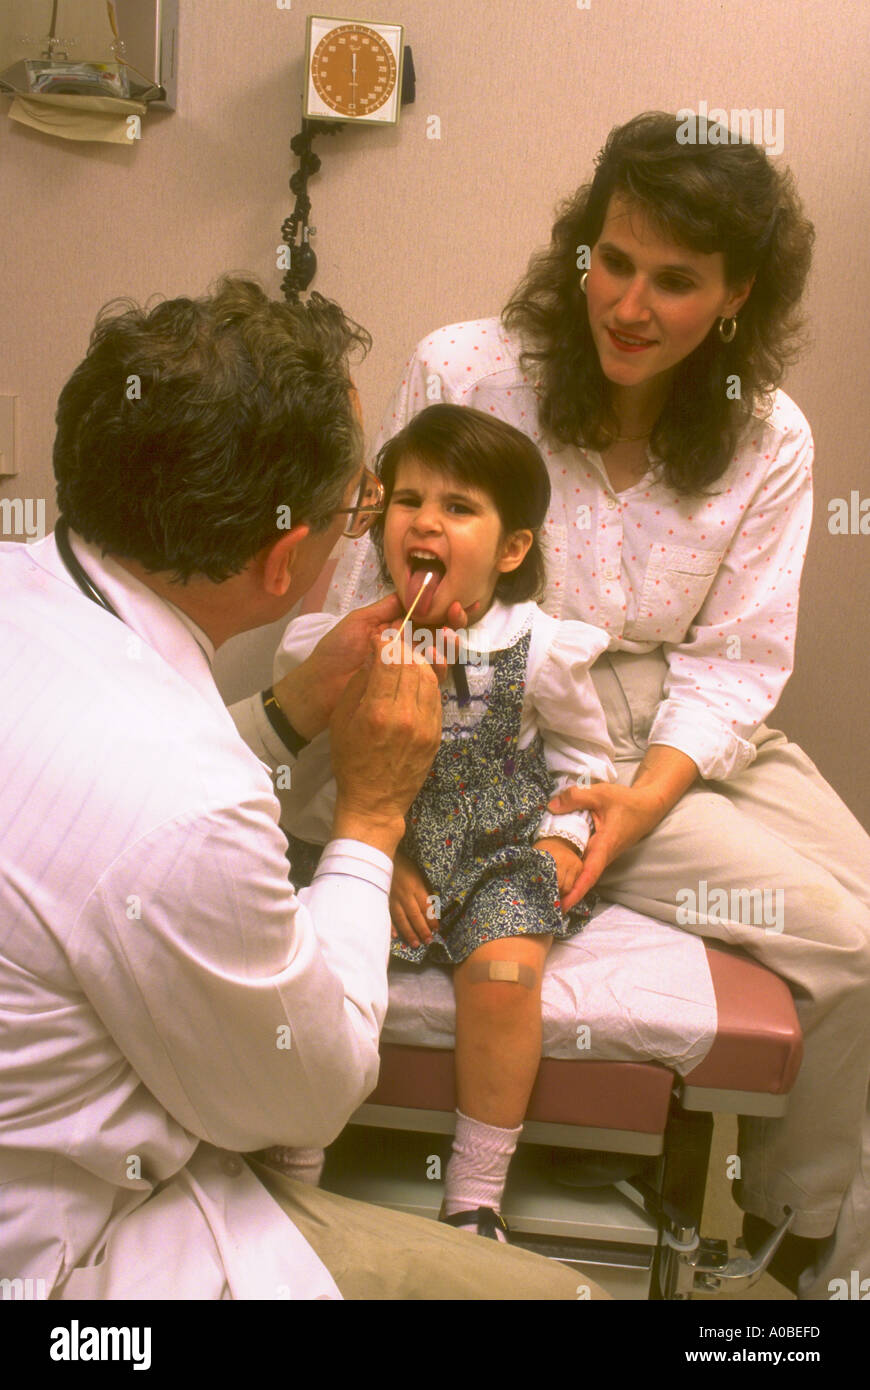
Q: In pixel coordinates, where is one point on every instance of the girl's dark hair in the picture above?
(705, 196)
(484, 453)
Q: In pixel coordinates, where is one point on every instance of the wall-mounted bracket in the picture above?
(145, 40)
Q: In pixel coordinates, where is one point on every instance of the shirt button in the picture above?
(610, 503)
(609, 573)
(232, 1166)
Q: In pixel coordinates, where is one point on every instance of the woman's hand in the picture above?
(569, 862)
(410, 903)
(623, 815)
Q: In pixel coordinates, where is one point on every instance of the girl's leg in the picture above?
(498, 1028)
(496, 1019)
(498, 1049)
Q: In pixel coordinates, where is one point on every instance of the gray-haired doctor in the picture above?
(168, 1003)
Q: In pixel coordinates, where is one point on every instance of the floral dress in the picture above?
(472, 827)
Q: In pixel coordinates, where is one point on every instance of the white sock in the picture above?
(306, 1165)
(478, 1167)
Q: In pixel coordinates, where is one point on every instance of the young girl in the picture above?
(483, 864)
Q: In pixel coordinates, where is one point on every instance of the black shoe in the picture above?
(488, 1222)
(795, 1254)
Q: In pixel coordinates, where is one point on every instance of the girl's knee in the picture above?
(503, 973)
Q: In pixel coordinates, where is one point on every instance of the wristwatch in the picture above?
(281, 724)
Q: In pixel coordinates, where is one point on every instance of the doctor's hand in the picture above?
(385, 732)
(309, 694)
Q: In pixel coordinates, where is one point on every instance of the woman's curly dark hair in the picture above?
(705, 196)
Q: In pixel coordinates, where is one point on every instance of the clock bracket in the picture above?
(296, 230)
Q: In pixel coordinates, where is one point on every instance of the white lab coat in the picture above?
(153, 956)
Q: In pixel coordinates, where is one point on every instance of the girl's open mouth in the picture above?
(420, 563)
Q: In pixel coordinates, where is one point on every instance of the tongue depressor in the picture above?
(410, 611)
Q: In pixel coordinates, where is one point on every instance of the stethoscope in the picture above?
(88, 588)
(85, 583)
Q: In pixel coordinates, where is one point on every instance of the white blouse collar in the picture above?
(499, 627)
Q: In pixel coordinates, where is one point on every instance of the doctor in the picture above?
(168, 1003)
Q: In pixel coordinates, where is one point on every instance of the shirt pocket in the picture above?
(675, 585)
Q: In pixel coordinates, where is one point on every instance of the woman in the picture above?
(642, 352)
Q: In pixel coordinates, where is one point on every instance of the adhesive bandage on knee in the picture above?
(506, 970)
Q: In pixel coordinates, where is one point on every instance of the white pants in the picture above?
(775, 826)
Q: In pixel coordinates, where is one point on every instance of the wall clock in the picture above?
(353, 71)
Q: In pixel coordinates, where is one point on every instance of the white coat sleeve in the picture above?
(252, 1013)
(303, 783)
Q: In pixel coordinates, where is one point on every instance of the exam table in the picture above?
(610, 1173)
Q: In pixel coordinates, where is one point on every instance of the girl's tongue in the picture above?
(416, 578)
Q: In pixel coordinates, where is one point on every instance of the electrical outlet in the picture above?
(8, 464)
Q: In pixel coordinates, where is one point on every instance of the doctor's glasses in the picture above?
(369, 502)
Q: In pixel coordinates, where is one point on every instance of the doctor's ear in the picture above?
(278, 559)
(514, 550)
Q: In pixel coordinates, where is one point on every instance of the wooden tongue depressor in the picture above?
(410, 611)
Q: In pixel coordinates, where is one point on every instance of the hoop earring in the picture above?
(583, 278)
(727, 337)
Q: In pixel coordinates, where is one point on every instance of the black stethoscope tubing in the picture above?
(88, 588)
(87, 585)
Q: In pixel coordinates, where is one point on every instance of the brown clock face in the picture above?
(353, 70)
